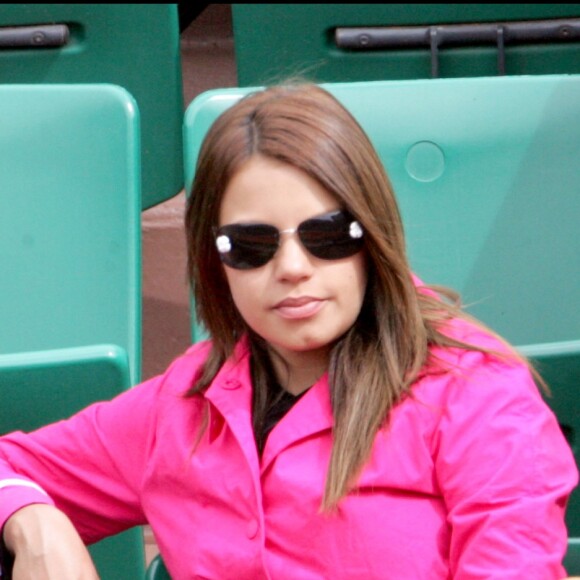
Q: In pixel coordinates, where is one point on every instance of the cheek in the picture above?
(350, 283)
(358, 277)
(359, 285)
(245, 289)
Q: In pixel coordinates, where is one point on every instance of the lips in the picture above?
(298, 308)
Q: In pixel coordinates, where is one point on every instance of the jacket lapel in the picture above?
(230, 397)
(312, 414)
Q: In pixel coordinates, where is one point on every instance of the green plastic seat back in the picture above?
(277, 41)
(135, 46)
(559, 365)
(69, 219)
(157, 570)
(487, 177)
(572, 559)
(42, 387)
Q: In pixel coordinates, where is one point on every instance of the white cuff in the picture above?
(22, 483)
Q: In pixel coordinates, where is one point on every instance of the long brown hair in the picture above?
(374, 364)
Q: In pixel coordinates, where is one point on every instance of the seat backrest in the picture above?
(559, 365)
(69, 219)
(42, 387)
(364, 42)
(157, 570)
(487, 177)
(135, 46)
(572, 559)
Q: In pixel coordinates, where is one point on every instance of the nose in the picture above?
(292, 261)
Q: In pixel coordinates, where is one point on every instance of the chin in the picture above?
(311, 345)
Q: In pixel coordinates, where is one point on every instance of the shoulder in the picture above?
(184, 370)
(193, 359)
(487, 410)
(500, 459)
(492, 369)
(467, 396)
(467, 377)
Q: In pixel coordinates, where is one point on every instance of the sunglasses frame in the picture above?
(334, 235)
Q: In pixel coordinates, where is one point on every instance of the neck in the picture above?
(297, 371)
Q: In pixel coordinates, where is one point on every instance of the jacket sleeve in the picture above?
(90, 466)
(505, 471)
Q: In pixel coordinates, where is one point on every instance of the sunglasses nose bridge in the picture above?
(288, 231)
(285, 234)
(291, 232)
(291, 255)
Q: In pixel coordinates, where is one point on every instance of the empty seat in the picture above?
(364, 42)
(70, 219)
(135, 46)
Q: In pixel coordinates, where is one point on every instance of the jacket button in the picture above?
(252, 529)
(232, 384)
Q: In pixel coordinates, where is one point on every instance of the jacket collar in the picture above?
(230, 394)
(310, 415)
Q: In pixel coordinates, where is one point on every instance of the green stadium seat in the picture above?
(45, 386)
(42, 387)
(157, 570)
(572, 559)
(135, 46)
(367, 42)
(70, 219)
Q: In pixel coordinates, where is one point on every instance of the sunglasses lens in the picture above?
(332, 236)
(246, 246)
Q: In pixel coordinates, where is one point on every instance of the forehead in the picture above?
(270, 191)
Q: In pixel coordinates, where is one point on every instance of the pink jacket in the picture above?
(468, 480)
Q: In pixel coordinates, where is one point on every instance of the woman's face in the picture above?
(298, 303)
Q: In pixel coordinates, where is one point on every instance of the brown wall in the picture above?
(207, 54)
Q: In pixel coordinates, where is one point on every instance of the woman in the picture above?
(345, 421)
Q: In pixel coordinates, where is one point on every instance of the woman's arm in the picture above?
(88, 471)
(46, 545)
(505, 471)
(90, 466)
(73, 483)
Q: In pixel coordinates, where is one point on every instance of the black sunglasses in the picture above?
(331, 236)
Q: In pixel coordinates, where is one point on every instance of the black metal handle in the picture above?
(41, 36)
(435, 37)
